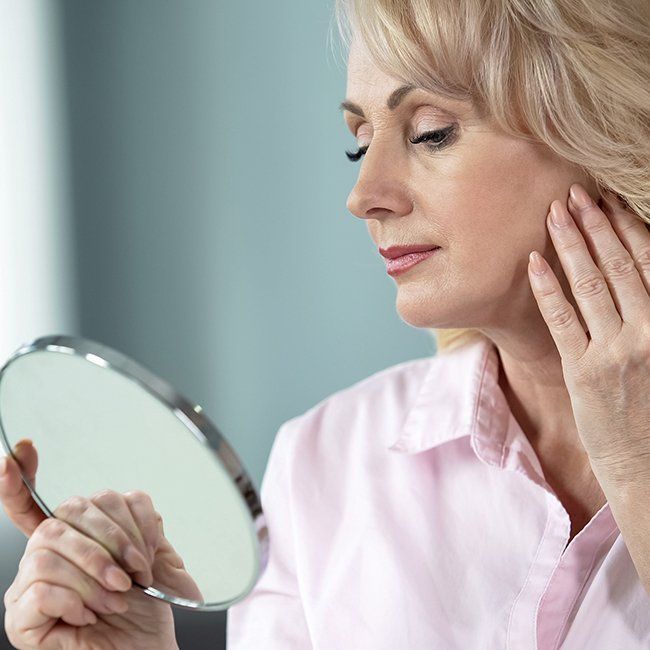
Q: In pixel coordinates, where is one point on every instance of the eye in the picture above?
(438, 138)
(356, 155)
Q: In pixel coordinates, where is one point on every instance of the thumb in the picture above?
(16, 498)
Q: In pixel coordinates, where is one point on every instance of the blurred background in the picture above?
(173, 184)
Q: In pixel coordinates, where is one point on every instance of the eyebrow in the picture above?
(392, 102)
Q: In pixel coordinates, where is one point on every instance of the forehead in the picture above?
(367, 84)
(363, 76)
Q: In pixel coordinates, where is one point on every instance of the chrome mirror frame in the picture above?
(190, 414)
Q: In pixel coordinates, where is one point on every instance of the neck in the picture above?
(532, 381)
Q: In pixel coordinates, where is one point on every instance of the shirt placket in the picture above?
(558, 573)
(571, 575)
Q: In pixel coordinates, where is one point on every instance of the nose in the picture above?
(381, 186)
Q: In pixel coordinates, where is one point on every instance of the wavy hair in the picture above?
(573, 74)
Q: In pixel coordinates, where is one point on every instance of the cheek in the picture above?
(488, 231)
(506, 178)
(492, 197)
(490, 243)
(500, 214)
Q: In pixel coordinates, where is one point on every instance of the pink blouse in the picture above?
(409, 511)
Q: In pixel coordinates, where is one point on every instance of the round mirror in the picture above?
(98, 421)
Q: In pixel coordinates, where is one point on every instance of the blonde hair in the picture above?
(573, 74)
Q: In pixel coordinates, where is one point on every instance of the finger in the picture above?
(588, 284)
(612, 257)
(165, 546)
(16, 498)
(633, 232)
(33, 615)
(27, 458)
(145, 515)
(165, 549)
(559, 314)
(86, 517)
(87, 554)
(115, 505)
(46, 565)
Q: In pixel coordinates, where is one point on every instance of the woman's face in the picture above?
(482, 196)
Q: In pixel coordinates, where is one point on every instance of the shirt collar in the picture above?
(459, 396)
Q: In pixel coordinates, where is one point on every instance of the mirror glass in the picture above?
(99, 420)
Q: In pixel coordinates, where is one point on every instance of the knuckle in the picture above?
(40, 592)
(619, 266)
(73, 507)
(589, 285)
(7, 598)
(40, 562)
(138, 496)
(92, 555)
(592, 218)
(572, 247)
(50, 530)
(115, 534)
(560, 317)
(106, 496)
(546, 293)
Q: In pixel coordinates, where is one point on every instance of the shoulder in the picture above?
(371, 407)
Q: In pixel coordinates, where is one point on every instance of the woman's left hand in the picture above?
(605, 255)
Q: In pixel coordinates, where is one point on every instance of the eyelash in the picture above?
(447, 132)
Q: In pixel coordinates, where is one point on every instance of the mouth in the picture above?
(402, 263)
(393, 252)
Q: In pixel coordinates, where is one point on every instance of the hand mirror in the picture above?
(99, 420)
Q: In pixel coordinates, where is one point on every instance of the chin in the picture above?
(430, 310)
(417, 313)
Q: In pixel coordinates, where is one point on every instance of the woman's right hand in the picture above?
(69, 592)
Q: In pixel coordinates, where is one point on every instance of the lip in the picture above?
(397, 251)
(403, 263)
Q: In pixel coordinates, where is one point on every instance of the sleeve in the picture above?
(271, 616)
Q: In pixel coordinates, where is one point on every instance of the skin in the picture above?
(484, 200)
(62, 595)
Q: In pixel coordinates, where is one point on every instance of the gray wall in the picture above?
(212, 239)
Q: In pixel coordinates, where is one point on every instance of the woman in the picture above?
(494, 495)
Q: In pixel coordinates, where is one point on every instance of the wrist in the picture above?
(622, 473)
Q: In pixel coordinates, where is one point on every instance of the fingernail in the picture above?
(3, 466)
(117, 579)
(559, 217)
(537, 263)
(580, 196)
